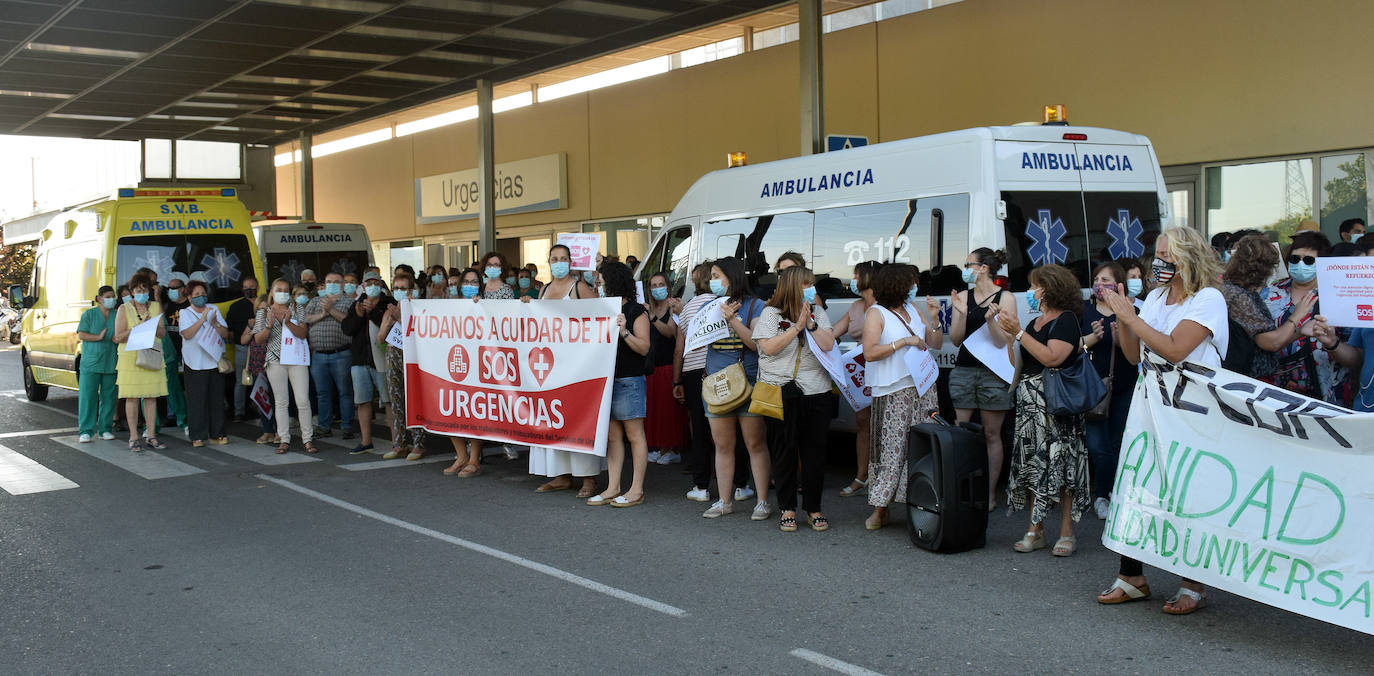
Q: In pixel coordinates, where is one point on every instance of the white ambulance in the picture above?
(293, 247)
(1070, 195)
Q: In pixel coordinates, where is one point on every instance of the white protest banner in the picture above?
(922, 367)
(261, 396)
(846, 371)
(294, 351)
(393, 337)
(1248, 488)
(143, 336)
(639, 292)
(524, 373)
(583, 247)
(208, 338)
(708, 326)
(1346, 289)
(979, 343)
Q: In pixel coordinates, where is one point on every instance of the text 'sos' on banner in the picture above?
(1248, 488)
(526, 373)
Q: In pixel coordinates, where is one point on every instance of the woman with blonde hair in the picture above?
(1184, 319)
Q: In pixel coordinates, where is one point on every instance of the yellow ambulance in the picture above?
(195, 231)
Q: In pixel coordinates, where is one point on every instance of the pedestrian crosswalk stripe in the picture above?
(148, 464)
(34, 433)
(247, 450)
(398, 462)
(20, 474)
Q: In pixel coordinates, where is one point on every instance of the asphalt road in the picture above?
(229, 565)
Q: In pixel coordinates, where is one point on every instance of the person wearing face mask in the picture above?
(562, 466)
(350, 286)
(512, 277)
(406, 442)
(122, 297)
(972, 385)
(786, 360)
(240, 317)
(138, 386)
(493, 265)
(286, 314)
(534, 278)
(525, 283)
(469, 285)
(309, 280)
(1304, 367)
(434, 282)
(467, 453)
(628, 396)
(665, 424)
(96, 382)
(1247, 271)
(892, 325)
(852, 323)
(330, 359)
(1103, 437)
(1049, 462)
(204, 382)
(363, 326)
(175, 404)
(1137, 280)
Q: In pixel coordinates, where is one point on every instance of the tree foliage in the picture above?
(16, 263)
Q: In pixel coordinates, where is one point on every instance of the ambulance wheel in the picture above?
(32, 389)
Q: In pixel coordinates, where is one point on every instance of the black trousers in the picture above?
(802, 432)
(204, 403)
(701, 453)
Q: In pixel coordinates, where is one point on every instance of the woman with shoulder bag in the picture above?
(286, 316)
(629, 391)
(786, 361)
(892, 325)
(1103, 433)
(732, 365)
(140, 374)
(1049, 463)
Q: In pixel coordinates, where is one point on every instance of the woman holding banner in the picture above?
(405, 442)
(1049, 463)
(853, 323)
(204, 382)
(892, 325)
(629, 391)
(562, 465)
(495, 287)
(972, 385)
(1184, 319)
(272, 324)
(784, 333)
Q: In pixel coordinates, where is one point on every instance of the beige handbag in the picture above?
(150, 358)
(727, 389)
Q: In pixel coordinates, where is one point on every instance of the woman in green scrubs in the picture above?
(96, 380)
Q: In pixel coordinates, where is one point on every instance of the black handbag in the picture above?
(1074, 389)
(1103, 408)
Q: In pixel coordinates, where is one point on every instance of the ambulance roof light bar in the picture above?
(176, 192)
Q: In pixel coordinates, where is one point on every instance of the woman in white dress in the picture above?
(561, 465)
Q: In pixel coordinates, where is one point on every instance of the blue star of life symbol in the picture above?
(291, 270)
(946, 315)
(221, 269)
(158, 262)
(1047, 239)
(343, 266)
(1125, 231)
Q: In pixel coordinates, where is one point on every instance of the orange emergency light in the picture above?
(735, 159)
(1056, 115)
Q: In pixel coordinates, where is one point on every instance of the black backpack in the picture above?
(1240, 349)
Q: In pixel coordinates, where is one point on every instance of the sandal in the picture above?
(555, 485)
(310, 447)
(1199, 602)
(453, 469)
(154, 443)
(819, 523)
(134, 446)
(587, 491)
(1031, 542)
(788, 524)
(875, 523)
(197, 444)
(266, 439)
(854, 488)
(282, 449)
(1129, 592)
(1065, 546)
(469, 471)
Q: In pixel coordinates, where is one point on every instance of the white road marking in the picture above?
(148, 464)
(483, 549)
(398, 462)
(246, 450)
(832, 663)
(20, 474)
(34, 433)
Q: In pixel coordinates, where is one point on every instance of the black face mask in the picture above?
(250, 293)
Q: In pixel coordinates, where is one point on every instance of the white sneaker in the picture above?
(718, 508)
(654, 456)
(762, 511)
(669, 459)
(85, 438)
(1101, 505)
(744, 493)
(699, 495)
(107, 436)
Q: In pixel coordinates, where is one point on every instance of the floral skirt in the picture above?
(401, 436)
(1048, 456)
(893, 415)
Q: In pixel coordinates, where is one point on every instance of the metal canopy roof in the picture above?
(261, 71)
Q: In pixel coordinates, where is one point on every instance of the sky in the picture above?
(68, 171)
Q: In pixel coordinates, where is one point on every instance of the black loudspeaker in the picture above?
(947, 491)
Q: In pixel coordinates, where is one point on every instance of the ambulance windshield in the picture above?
(220, 260)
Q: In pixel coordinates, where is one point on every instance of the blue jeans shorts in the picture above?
(628, 397)
(367, 383)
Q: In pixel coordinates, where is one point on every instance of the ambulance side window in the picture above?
(1041, 228)
(1121, 224)
(885, 232)
(670, 256)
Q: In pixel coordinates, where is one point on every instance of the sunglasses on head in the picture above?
(1306, 260)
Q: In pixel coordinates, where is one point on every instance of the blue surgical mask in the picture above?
(970, 276)
(1226, 256)
(200, 301)
(302, 299)
(109, 303)
(469, 290)
(128, 299)
(560, 269)
(601, 291)
(1134, 287)
(589, 276)
(1302, 273)
(174, 295)
(661, 293)
(350, 288)
(452, 291)
(493, 272)
(140, 298)
(281, 297)
(854, 286)
(320, 293)
(332, 288)
(510, 281)
(718, 287)
(436, 279)
(401, 294)
(373, 291)
(911, 295)
(808, 294)
(524, 282)
(1032, 302)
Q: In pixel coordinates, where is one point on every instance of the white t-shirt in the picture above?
(1206, 307)
(192, 354)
